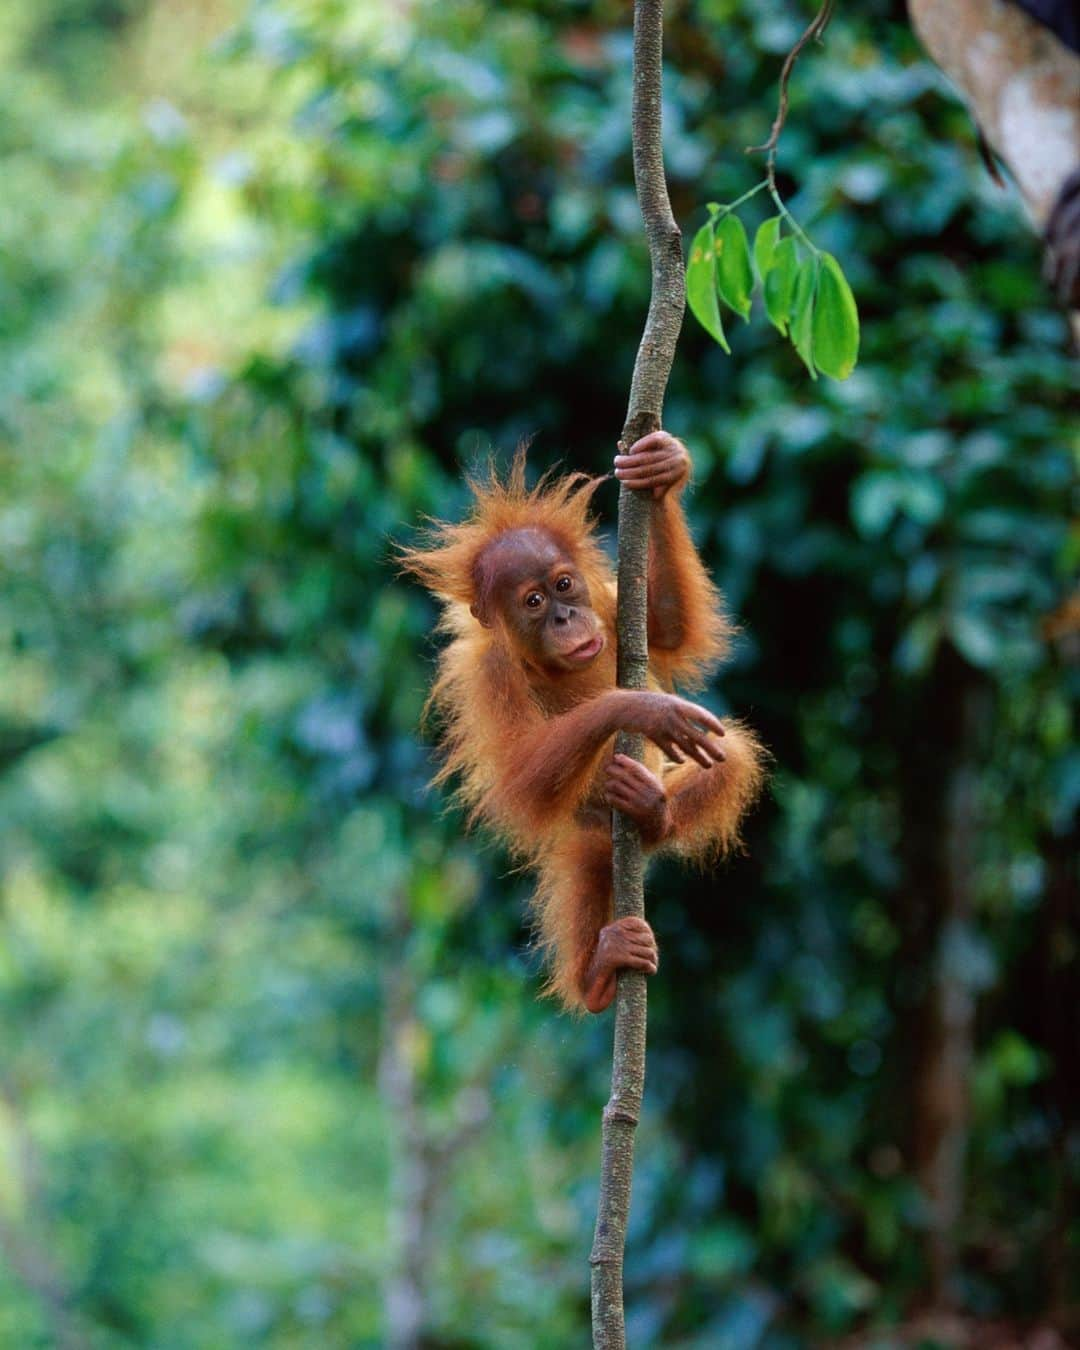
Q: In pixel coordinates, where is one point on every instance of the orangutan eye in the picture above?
(563, 584)
(534, 600)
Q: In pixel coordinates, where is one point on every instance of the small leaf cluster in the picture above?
(806, 295)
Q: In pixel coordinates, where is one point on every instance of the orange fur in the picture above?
(707, 633)
(497, 711)
(710, 803)
(447, 565)
(480, 694)
(571, 904)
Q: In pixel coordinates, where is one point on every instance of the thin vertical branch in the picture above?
(26, 1246)
(651, 369)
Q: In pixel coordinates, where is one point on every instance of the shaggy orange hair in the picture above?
(448, 562)
(480, 688)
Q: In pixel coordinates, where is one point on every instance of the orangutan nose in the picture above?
(563, 614)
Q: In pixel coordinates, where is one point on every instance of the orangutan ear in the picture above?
(481, 613)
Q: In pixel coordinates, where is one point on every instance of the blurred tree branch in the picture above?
(423, 1153)
(27, 1252)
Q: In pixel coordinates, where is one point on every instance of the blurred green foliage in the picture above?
(273, 1072)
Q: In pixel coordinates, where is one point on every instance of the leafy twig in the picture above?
(796, 228)
(727, 207)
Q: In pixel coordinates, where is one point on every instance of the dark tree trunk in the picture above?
(939, 977)
(1058, 983)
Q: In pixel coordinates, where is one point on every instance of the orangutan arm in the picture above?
(548, 768)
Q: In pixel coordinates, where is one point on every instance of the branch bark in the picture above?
(656, 352)
(424, 1152)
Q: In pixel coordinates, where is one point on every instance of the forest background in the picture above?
(272, 1068)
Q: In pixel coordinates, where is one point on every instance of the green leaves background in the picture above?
(261, 301)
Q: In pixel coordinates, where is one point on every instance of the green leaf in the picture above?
(975, 639)
(723, 1250)
(765, 242)
(734, 276)
(874, 500)
(1016, 1060)
(916, 648)
(701, 284)
(780, 284)
(923, 496)
(835, 323)
(802, 313)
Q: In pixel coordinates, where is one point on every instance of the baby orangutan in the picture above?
(526, 689)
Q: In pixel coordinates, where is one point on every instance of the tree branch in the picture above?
(651, 369)
(813, 32)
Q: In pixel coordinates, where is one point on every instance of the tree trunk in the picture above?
(412, 1179)
(1057, 978)
(651, 369)
(943, 975)
(25, 1243)
(1020, 82)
